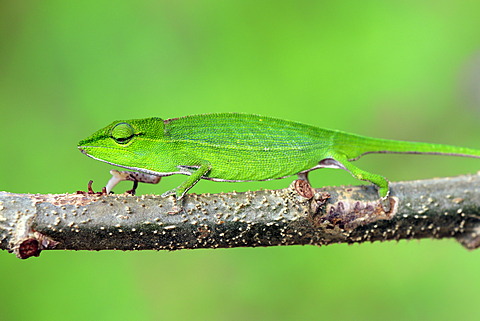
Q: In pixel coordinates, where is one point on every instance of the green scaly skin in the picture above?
(241, 147)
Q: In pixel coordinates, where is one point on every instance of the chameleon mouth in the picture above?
(83, 149)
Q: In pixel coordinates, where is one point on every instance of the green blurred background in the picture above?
(394, 69)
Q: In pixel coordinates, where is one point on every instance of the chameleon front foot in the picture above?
(90, 190)
(134, 188)
(135, 177)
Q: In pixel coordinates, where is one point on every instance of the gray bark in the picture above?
(436, 208)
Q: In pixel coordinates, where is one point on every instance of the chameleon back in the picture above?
(247, 147)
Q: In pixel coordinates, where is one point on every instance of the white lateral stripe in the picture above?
(327, 164)
(142, 170)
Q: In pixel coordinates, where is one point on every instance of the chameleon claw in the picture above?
(384, 192)
(179, 194)
(90, 190)
(134, 189)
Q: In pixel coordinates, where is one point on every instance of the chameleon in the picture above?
(231, 147)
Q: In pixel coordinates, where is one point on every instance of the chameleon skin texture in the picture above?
(241, 147)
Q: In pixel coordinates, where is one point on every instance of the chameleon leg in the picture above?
(194, 177)
(358, 173)
(303, 176)
(118, 176)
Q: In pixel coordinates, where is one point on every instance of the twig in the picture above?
(436, 208)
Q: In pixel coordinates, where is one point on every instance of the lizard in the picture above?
(232, 147)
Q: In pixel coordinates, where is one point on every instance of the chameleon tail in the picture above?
(355, 146)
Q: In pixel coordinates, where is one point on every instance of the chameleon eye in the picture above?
(122, 133)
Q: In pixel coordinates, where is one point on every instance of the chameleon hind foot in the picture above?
(380, 181)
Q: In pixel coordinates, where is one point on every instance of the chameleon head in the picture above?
(124, 143)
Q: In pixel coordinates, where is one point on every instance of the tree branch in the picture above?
(436, 208)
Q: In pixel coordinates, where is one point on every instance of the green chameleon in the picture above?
(231, 147)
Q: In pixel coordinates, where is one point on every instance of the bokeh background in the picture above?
(394, 69)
